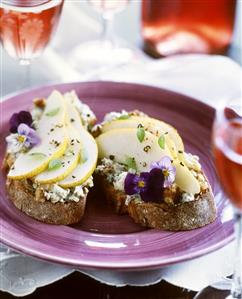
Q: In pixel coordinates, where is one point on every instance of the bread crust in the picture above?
(178, 217)
(23, 196)
(183, 216)
(33, 203)
(116, 199)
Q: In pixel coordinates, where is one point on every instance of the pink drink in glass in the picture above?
(26, 27)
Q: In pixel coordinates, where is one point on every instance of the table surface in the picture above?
(45, 72)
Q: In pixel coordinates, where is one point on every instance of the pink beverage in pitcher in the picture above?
(187, 26)
(26, 26)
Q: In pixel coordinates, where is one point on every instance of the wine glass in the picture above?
(227, 148)
(107, 51)
(26, 27)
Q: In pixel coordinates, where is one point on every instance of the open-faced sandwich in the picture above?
(50, 159)
(146, 173)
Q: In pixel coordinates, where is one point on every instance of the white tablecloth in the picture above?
(207, 78)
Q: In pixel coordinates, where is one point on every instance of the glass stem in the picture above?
(107, 35)
(236, 291)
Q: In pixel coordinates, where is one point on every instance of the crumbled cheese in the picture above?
(105, 163)
(192, 162)
(55, 193)
(13, 146)
(110, 169)
(129, 198)
(118, 182)
(186, 197)
(79, 192)
(114, 115)
(88, 183)
(87, 115)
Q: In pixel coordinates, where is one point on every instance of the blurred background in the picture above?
(81, 22)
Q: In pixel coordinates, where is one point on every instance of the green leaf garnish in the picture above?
(54, 164)
(140, 133)
(84, 156)
(161, 141)
(53, 112)
(38, 155)
(123, 117)
(70, 153)
(131, 163)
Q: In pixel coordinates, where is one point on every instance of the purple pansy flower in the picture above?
(136, 183)
(23, 117)
(168, 170)
(156, 183)
(27, 136)
(149, 185)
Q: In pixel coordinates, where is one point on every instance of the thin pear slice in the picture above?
(54, 115)
(73, 116)
(87, 164)
(172, 132)
(154, 126)
(52, 132)
(184, 178)
(89, 153)
(66, 163)
(123, 143)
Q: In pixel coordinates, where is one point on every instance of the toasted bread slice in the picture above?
(45, 200)
(24, 197)
(173, 217)
(182, 216)
(32, 201)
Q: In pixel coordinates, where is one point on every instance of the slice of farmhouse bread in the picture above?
(167, 216)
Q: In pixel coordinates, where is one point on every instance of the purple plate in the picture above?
(104, 240)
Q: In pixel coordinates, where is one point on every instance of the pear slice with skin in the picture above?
(172, 132)
(66, 163)
(87, 164)
(54, 115)
(123, 143)
(53, 135)
(185, 179)
(89, 152)
(154, 126)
